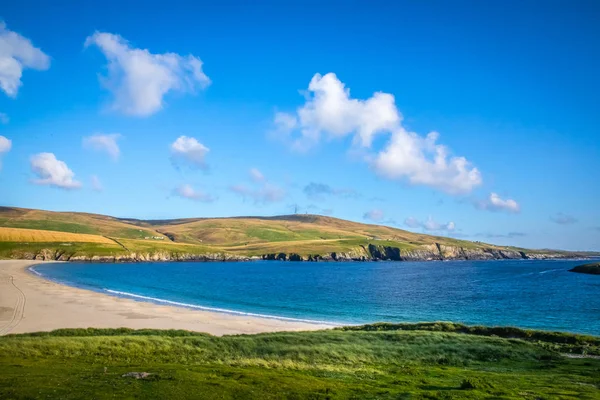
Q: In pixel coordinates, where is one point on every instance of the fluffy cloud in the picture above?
(96, 184)
(430, 225)
(329, 110)
(495, 203)
(52, 172)
(318, 191)
(188, 192)
(189, 151)
(421, 161)
(563, 219)
(4, 118)
(104, 143)
(16, 54)
(139, 80)
(5, 146)
(256, 175)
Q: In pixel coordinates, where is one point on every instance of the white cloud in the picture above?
(423, 162)
(256, 175)
(5, 146)
(430, 225)
(495, 203)
(374, 215)
(139, 80)
(329, 110)
(16, 54)
(190, 151)
(188, 192)
(52, 172)
(104, 143)
(96, 184)
(4, 118)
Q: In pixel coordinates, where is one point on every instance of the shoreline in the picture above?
(31, 303)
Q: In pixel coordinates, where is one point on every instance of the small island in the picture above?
(592, 268)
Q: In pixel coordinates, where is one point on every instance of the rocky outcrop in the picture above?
(592, 269)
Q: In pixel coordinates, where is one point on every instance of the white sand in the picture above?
(29, 303)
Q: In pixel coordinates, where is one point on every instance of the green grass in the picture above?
(362, 363)
(16, 250)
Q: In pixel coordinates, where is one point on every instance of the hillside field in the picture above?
(26, 233)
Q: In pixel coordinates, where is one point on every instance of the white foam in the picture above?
(35, 272)
(215, 309)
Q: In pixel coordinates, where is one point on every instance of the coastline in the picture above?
(31, 303)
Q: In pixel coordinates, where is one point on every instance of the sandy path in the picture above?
(29, 303)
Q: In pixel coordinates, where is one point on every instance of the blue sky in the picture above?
(189, 110)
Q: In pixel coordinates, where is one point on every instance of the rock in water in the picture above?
(593, 269)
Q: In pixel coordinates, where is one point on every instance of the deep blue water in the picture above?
(523, 293)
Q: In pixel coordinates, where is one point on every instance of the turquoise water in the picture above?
(523, 293)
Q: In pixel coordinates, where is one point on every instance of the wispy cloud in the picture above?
(378, 216)
(563, 219)
(430, 225)
(266, 193)
(186, 191)
(256, 175)
(104, 143)
(53, 172)
(4, 118)
(509, 235)
(330, 111)
(96, 184)
(261, 191)
(139, 80)
(319, 191)
(16, 54)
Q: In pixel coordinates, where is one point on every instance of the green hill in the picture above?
(288, 237)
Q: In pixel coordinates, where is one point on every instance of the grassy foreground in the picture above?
(422, 361)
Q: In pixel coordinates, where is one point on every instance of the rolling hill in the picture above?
(38, 234)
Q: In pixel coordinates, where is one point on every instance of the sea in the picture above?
(536, 294)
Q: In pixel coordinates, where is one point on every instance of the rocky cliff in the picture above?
(371, 252)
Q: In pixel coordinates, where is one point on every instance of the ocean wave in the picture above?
(35, 272)
(216, 309)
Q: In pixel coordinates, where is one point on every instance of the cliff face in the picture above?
(370, 252)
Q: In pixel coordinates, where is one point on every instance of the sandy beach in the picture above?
(29, 303)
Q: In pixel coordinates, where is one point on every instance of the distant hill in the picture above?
(286, 237)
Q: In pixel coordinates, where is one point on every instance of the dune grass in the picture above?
(364, 362)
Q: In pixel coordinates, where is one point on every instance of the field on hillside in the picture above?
(235, 237)
(362, 363)
(37, 235)
(72, 222)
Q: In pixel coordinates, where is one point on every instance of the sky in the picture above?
(475, 120)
